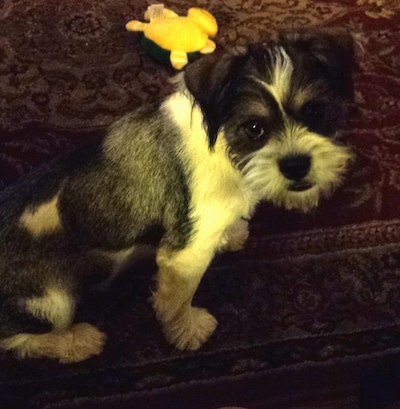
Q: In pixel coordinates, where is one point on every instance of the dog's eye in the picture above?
(254, 130)
(313, 114)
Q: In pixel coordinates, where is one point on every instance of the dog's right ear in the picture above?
(208, 79)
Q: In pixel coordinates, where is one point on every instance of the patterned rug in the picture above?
(310, 308)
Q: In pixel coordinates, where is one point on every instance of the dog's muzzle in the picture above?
(295, 168)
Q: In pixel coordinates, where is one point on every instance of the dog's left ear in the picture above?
(334, 50)
(208, 79)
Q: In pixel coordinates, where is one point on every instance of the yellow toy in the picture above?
(173, 39)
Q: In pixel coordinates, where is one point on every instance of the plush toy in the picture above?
(173, 39)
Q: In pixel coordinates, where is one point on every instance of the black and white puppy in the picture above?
(257, 123)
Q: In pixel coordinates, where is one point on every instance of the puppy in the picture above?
(257, 123)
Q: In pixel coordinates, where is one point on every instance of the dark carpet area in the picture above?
(309, 310)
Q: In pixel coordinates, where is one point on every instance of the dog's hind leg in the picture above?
(75, 344)
(66, 342)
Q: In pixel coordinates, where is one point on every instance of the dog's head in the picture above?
(280, 106)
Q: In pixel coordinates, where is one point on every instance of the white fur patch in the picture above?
(281, 75)
(56, 306)
(219, 196)
(43, 219)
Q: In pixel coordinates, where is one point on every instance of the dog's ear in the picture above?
(208, 79)
(334, 52)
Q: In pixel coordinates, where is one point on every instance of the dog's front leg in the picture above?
(235, 236)
(179, 274)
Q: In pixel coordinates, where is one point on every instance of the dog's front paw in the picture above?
(235, 236)
(191, 331)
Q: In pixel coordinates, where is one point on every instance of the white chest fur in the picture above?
(219, 194)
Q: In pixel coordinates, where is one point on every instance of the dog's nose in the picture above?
(295, 167)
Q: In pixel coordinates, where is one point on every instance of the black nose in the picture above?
(295, 167)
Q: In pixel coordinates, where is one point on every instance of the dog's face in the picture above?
(280, 106)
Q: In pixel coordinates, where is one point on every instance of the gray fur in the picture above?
(113, 195)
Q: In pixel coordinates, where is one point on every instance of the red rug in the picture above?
(309, 309)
